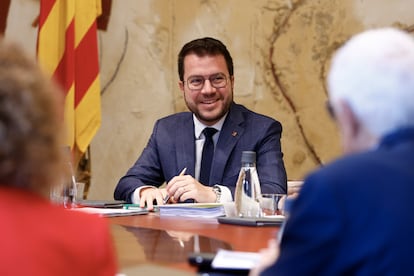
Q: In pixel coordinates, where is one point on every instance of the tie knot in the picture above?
(209, 132)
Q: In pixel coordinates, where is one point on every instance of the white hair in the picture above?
(374, 73)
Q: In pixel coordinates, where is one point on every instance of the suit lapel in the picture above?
(185, 154)
(229, 135)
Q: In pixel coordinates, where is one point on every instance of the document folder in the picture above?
(263, 221)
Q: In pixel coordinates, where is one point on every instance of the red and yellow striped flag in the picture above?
(68, 49)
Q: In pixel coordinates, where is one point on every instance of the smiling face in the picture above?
(209, 104)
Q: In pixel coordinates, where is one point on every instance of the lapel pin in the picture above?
(234, 133)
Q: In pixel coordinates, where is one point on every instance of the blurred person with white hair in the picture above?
(354, 216)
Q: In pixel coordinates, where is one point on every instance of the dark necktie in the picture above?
(207, 156)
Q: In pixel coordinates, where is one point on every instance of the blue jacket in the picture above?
(171, 148)
(355, 216)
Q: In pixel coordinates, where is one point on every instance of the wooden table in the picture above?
(167, 241)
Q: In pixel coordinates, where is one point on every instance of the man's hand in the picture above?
(148, 195)
(184, 187)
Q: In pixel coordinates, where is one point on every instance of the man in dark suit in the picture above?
(205, 70)
(354, 216)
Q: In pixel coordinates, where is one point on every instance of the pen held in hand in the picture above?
(167, 198)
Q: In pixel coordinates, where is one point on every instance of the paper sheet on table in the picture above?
(226, 259)
(112, 212)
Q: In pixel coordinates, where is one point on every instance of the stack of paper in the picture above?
(202, 210)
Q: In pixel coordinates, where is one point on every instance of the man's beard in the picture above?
(198, 114)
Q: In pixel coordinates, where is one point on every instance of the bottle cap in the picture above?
(248, 157)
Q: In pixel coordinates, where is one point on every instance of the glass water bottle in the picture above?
(248, 187)
(64, 193)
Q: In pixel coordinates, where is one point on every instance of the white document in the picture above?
(112, 212)
(226, 259)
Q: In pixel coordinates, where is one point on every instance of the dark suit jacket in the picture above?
(172, 148)
(355, 216)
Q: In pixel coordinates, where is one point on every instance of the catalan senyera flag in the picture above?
(67, 48)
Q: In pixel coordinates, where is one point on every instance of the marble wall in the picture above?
(281, 51)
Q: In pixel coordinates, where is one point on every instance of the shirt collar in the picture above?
(199, 127)
(399, 136)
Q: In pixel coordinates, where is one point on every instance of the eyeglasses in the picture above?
(218, 80)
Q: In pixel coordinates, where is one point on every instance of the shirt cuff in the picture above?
(135, 198)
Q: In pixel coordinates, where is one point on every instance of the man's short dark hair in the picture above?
(202, 47)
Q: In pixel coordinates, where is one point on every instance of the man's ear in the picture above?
(232, 82)
(348, 125)
(181, 86)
